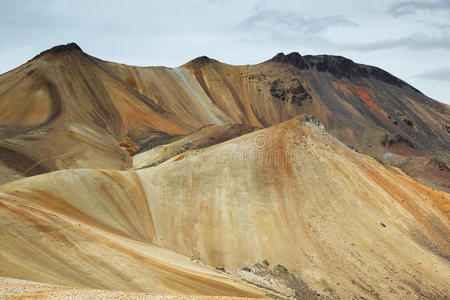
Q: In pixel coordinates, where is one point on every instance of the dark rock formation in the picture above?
(292, 91)
(293, 58)
(60, 49)
(281, 275)
(200, 61)
(340, 67)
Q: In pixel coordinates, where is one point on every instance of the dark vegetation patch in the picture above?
(404, 117)
(408, 122)
(447, 128)
(435, 162)
(393, 140)
(257, 77)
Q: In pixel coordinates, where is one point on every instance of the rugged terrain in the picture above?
(66, 109)
(302, 176)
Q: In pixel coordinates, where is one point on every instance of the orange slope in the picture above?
(338, 222)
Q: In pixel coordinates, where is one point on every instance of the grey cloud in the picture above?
(238, 32)
(219, 2)
(287, 24)
(442, 74)
(438, 25)
(413, 42)
(411, 7)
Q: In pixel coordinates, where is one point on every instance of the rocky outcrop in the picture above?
(60, 49)
(290, 90)
(340, 67)
(200, 61)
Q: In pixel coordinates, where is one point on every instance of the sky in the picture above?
(410, 39)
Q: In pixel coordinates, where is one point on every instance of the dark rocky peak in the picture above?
(337, 65)
(71, 47)
(340, 67)
(200, 61)
(293, 58)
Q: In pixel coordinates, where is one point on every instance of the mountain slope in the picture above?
(82, 239)
(66, 109)
(338, 92)
(288, 208)
(294, 196)
(62, 110)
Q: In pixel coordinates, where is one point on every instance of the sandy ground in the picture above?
(21, 289)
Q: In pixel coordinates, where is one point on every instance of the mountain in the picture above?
(66, 109)
(311, 177)
(289, 203)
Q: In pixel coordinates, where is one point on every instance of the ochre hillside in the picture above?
(67, 109)
(306, 177)
(290, 197)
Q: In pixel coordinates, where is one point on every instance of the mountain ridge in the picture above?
(298, 209)
(301, 177)
(60, 49)
(355, 102)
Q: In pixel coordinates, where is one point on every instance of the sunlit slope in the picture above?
(363, 106)
(173, 89)
(290, 194)
(62, 110)
(66, 109)
(205, 91)
(92, 229)
(294, 196)
(205, 136)
(356, 102)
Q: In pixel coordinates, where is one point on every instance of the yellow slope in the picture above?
(289, 194)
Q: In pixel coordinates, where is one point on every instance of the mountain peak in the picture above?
(339, 66)
(200, 61)
(60, 49)
(293, 58)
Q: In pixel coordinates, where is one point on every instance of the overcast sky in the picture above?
(410, 39)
